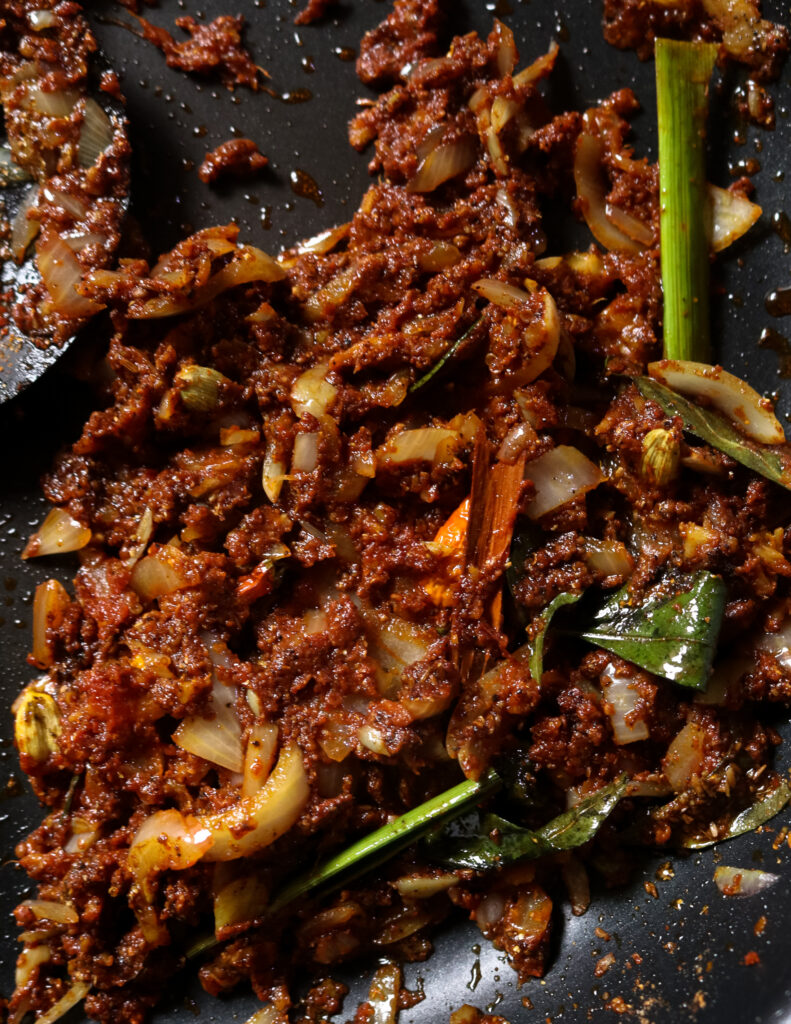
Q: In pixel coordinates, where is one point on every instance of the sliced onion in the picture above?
(51, 910)
(592, 195)
(337, 740)
(306, 453)
(528, 919)
(506, 48)
(266, 1015)
(49, 606)
(325, 241)
(42, 19)
(423, 444)
(743, 30)
(778, 644)
(57, 103)
(69, 203)
(515, 442)
(373, 739)
(405, 922)
(326, 300)
(560, 476)
(259, 756)
(81, 240)
(311, 393)
(160, 573)
(74, 995)
(58, 534)
(141, 537)
(540, 67)
(501, 294)
(630, 225)
(247, 266)
(490, 911)
(733, 397)
(743, 881)
(383, 995)
(731, 215)
(29, 959)
(23, 227)
(258, 820)
(61, 273)
(446, 161)
(272, 476)
(442, 254)
(167, 840)
(240, 900)
(684, 757)
(423, 887)
(216, 736)
(608, 558)
(624, 700)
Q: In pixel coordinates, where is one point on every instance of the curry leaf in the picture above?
(567, 831)
(672, 633)
(387, 841)
(444, 358)
(750, 818)
(773, 462)
(536, 662)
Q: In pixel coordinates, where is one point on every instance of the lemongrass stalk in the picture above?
(387, 841)
(683, 71)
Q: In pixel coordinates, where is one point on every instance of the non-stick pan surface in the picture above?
(683, 952)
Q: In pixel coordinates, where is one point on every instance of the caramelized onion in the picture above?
(306, 453)
(58, 534)
(160, 573)
(560, 476)
(684, 757)
(216, 735)
(444, 162)
(55, 103)
(731, 216)
(623, 699)
(51, 910)
(312, 393)
(591, 192)
(24, 228)
(61, 273)
(49, 605)
(630, 225)
(501, 294)
(74, 995)
(423, 887)
(29, 959)
(733, 397)
(383, 994)
(424, 444)
(743, 881)
(272, 476)
(540, 67)
(259, 756)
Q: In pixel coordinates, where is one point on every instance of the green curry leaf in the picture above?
(750, 818)
(672, 633)
(567, 831)
(772, 462)
(446, 356)
(536, 662)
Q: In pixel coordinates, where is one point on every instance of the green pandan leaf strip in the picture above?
(672, 633)
(536, 661)
(479, 852)
(770, 461)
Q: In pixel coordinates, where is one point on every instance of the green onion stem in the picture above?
(683, 71)
(388, 840)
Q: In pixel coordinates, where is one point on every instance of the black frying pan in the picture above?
(679, 955)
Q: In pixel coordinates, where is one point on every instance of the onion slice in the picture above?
(215, 736)
(731, 216)
(444, 162)
(61, 273)
(592, 195)
(559, 476)
(733, 397)
(743, 881)
(58, 534)
(74, 995)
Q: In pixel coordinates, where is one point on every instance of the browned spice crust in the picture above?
(239, 158)
(314, 10)
(215, 48)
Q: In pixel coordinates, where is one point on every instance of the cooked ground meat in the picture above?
(212, 49)
(314, 10)
(239, 158)
(325, 521)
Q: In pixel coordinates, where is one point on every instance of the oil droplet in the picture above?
(777, 343)
(302, 184)
(476, 976)
(778, 302)
(292, 96)
(200, 130)
(782, 227)
(500, 7)
(308, 64)
(345, 53)
(266, 217)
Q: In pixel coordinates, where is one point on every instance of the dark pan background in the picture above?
(680, 956)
